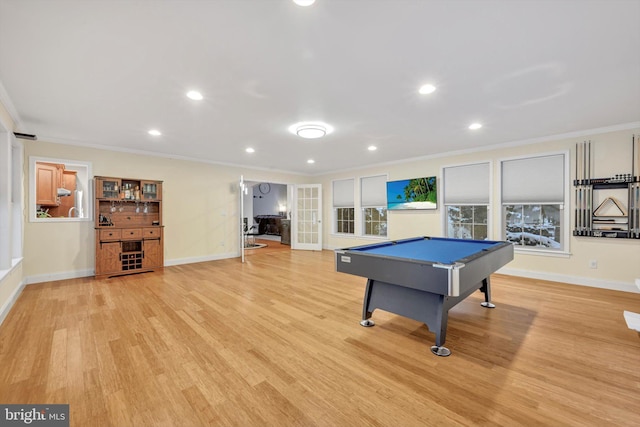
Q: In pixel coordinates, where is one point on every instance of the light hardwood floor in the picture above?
(276, 341)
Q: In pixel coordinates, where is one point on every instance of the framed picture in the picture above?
(416, 193)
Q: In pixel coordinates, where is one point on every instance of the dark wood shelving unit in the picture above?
(624, 223)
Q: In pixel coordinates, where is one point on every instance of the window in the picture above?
(343, 206)
(533, 200)
(466, 198)
(68, 190)
(533, 225)
(467, 222)
(11, 153)
(345, 220)
(373, 202)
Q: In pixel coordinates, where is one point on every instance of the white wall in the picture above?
(201, 213)
(618, 259)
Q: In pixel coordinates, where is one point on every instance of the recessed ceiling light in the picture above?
(311, 161)
(474, 126)
(310, 130)
(372, 148)
(155, 132)
(195, 95)
(427, 89)
(250, 150)
(304, 2)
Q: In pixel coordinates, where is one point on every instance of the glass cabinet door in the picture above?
(151, 190)
(108, 188)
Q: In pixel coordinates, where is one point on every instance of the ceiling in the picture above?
(102, 73)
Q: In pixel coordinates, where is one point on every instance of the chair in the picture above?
(250, 236)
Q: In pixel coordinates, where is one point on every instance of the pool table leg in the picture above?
(440, 328)
(486, 289)
(366, 321)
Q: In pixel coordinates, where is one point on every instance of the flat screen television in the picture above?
(416, 193)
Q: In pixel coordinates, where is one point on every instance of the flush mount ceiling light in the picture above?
(372, 148)
(310, 130)
(195, 95)
(155, 132)
(427, 89)
(304, 2)
(311, 161)
(474, 126)
(250, 150)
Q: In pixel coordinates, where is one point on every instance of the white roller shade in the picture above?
(373, 191)
(343, 193)
(533, 180)
(467, 184)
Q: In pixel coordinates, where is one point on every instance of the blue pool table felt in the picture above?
(441, 250)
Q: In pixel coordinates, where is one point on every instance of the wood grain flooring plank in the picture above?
(277, 342)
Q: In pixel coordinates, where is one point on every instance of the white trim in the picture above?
(6, 272)
(531, 141)
(572, 280)
(88, 273)
(363, 237)
(8, 305)
(526, 250)
(40, 278)
(191, 260)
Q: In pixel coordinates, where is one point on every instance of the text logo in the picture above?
(34, 415)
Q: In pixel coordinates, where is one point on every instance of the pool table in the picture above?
(423, 277)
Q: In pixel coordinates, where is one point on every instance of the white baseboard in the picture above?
(58, 276)
(192, 260)
(4, 311)
(86, 273)
(573, 280)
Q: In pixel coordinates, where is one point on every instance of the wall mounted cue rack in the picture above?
(612, 217)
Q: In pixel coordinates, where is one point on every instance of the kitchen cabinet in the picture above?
(68, 201)
(48, 180)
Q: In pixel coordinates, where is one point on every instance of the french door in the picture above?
(306, 223)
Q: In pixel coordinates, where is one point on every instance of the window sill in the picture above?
(542, 252)
(355, 236)
(62, 219)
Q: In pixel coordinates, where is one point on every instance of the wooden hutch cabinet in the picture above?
(128, 223)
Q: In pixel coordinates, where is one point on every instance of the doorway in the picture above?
(283, 214)
(265, 217)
